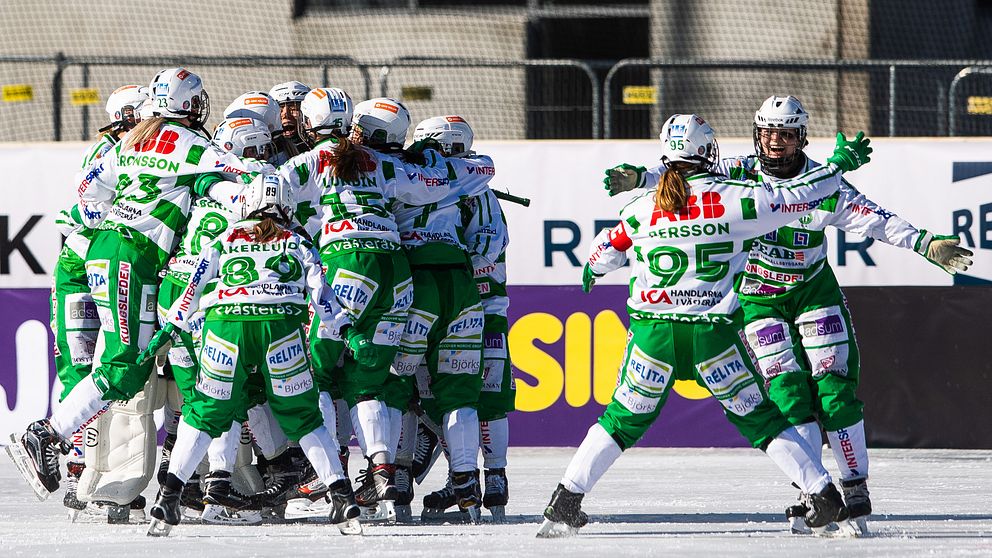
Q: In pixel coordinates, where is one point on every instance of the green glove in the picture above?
(851, 155)
(361, 347)
(425, 143)
(944, 252)
(159, 345)
(623, 178)
(588, 278)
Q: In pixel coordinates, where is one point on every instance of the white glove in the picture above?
(943, 251)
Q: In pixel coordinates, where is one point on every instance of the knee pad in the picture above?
(772, 344)
(826, 340)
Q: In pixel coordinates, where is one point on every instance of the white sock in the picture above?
(322, 451)
(371, 422)
(223, 450)
(408, 440)
(84, 401)
(494, 437)
(789, 451)
(461, 431)
(395, 432)
(810, 432)
(329, 413)
(850, 451)
(266, 432)
(344, 422)
(594, 457)
(191, 445)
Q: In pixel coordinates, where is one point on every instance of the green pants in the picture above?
(499, 391)
(123, 285)
(232, 354)
(808, 354)
(714, 355)
(376, 288)
(75, 321)
(445, 329)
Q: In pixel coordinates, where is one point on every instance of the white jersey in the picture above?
(256, 280)
(152, 184)
(684, 264)
(70, 221)
(487, 237)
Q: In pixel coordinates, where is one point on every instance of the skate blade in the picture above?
(25, 466)
(299, 508)
(440, 516)
(404, 514)
(158, 528)
(848, 529)
(838, 530)
(73, 515)
(862, 524)
(384, 512)
(191, 515)
(475, 514)
(498, 513)
(554, 530)
(798, 527)
(214, 514)
(350, 527)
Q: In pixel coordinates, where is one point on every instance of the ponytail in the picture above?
(672, 194)
(266, 230)
(145, 130)
(348, 160)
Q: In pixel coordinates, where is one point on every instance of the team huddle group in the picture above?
(303, 276)
(298, 273)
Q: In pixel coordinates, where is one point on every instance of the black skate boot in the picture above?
(226, 506)
(73, 472)
(437, 502)
(377, 493)
(858, 503)
(564, 516)
(404, 494)
(796, 514)
(468, 493)
(192, 494)
(343, 454)
(165, 512)
(36, 455)
(497, 494)
(283, 480)
(826, 507)
(163, 464)
(425, 453)
(343, 510)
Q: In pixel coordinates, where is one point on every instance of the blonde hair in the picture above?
(672, 194)
(144, 131)
(266, 230)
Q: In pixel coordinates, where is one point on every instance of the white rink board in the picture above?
(653, 502)
(912, 177)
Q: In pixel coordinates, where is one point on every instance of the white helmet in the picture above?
(780, 112)
(452, 132)
(179, 93)
(380, 122)
(270, 199)
(245, 137)
(289, 92)
(325, 111)
(259, 106)
(125, 105)
(688, 138)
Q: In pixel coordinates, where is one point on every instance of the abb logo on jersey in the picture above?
(166, 143)
(710, 208)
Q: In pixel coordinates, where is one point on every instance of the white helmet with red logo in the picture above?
(178, 93)
(380, 122)
(452, 132)
(245, 137)
(259, 106)
(325, 111)
(124, 106)
(688, 138)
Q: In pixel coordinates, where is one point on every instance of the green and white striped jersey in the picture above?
(487, 237)
(208, 220)
(152, 185)
(69, 221)
(685, 264)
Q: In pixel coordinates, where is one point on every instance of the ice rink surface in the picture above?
(673, 502)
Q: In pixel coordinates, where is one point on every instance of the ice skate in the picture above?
(377, 493)
(70, 501)
(404, 494)
(223, 505)
(336, 505)
(826, 508)
(165, 512)
(796, 515)
(468, 494)
(192, 494)
(36, 455)
(425, 453)
(283, 480)
(497, 494)
(858, 503)
(437, 502)
(102, 511)
(564, 516)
